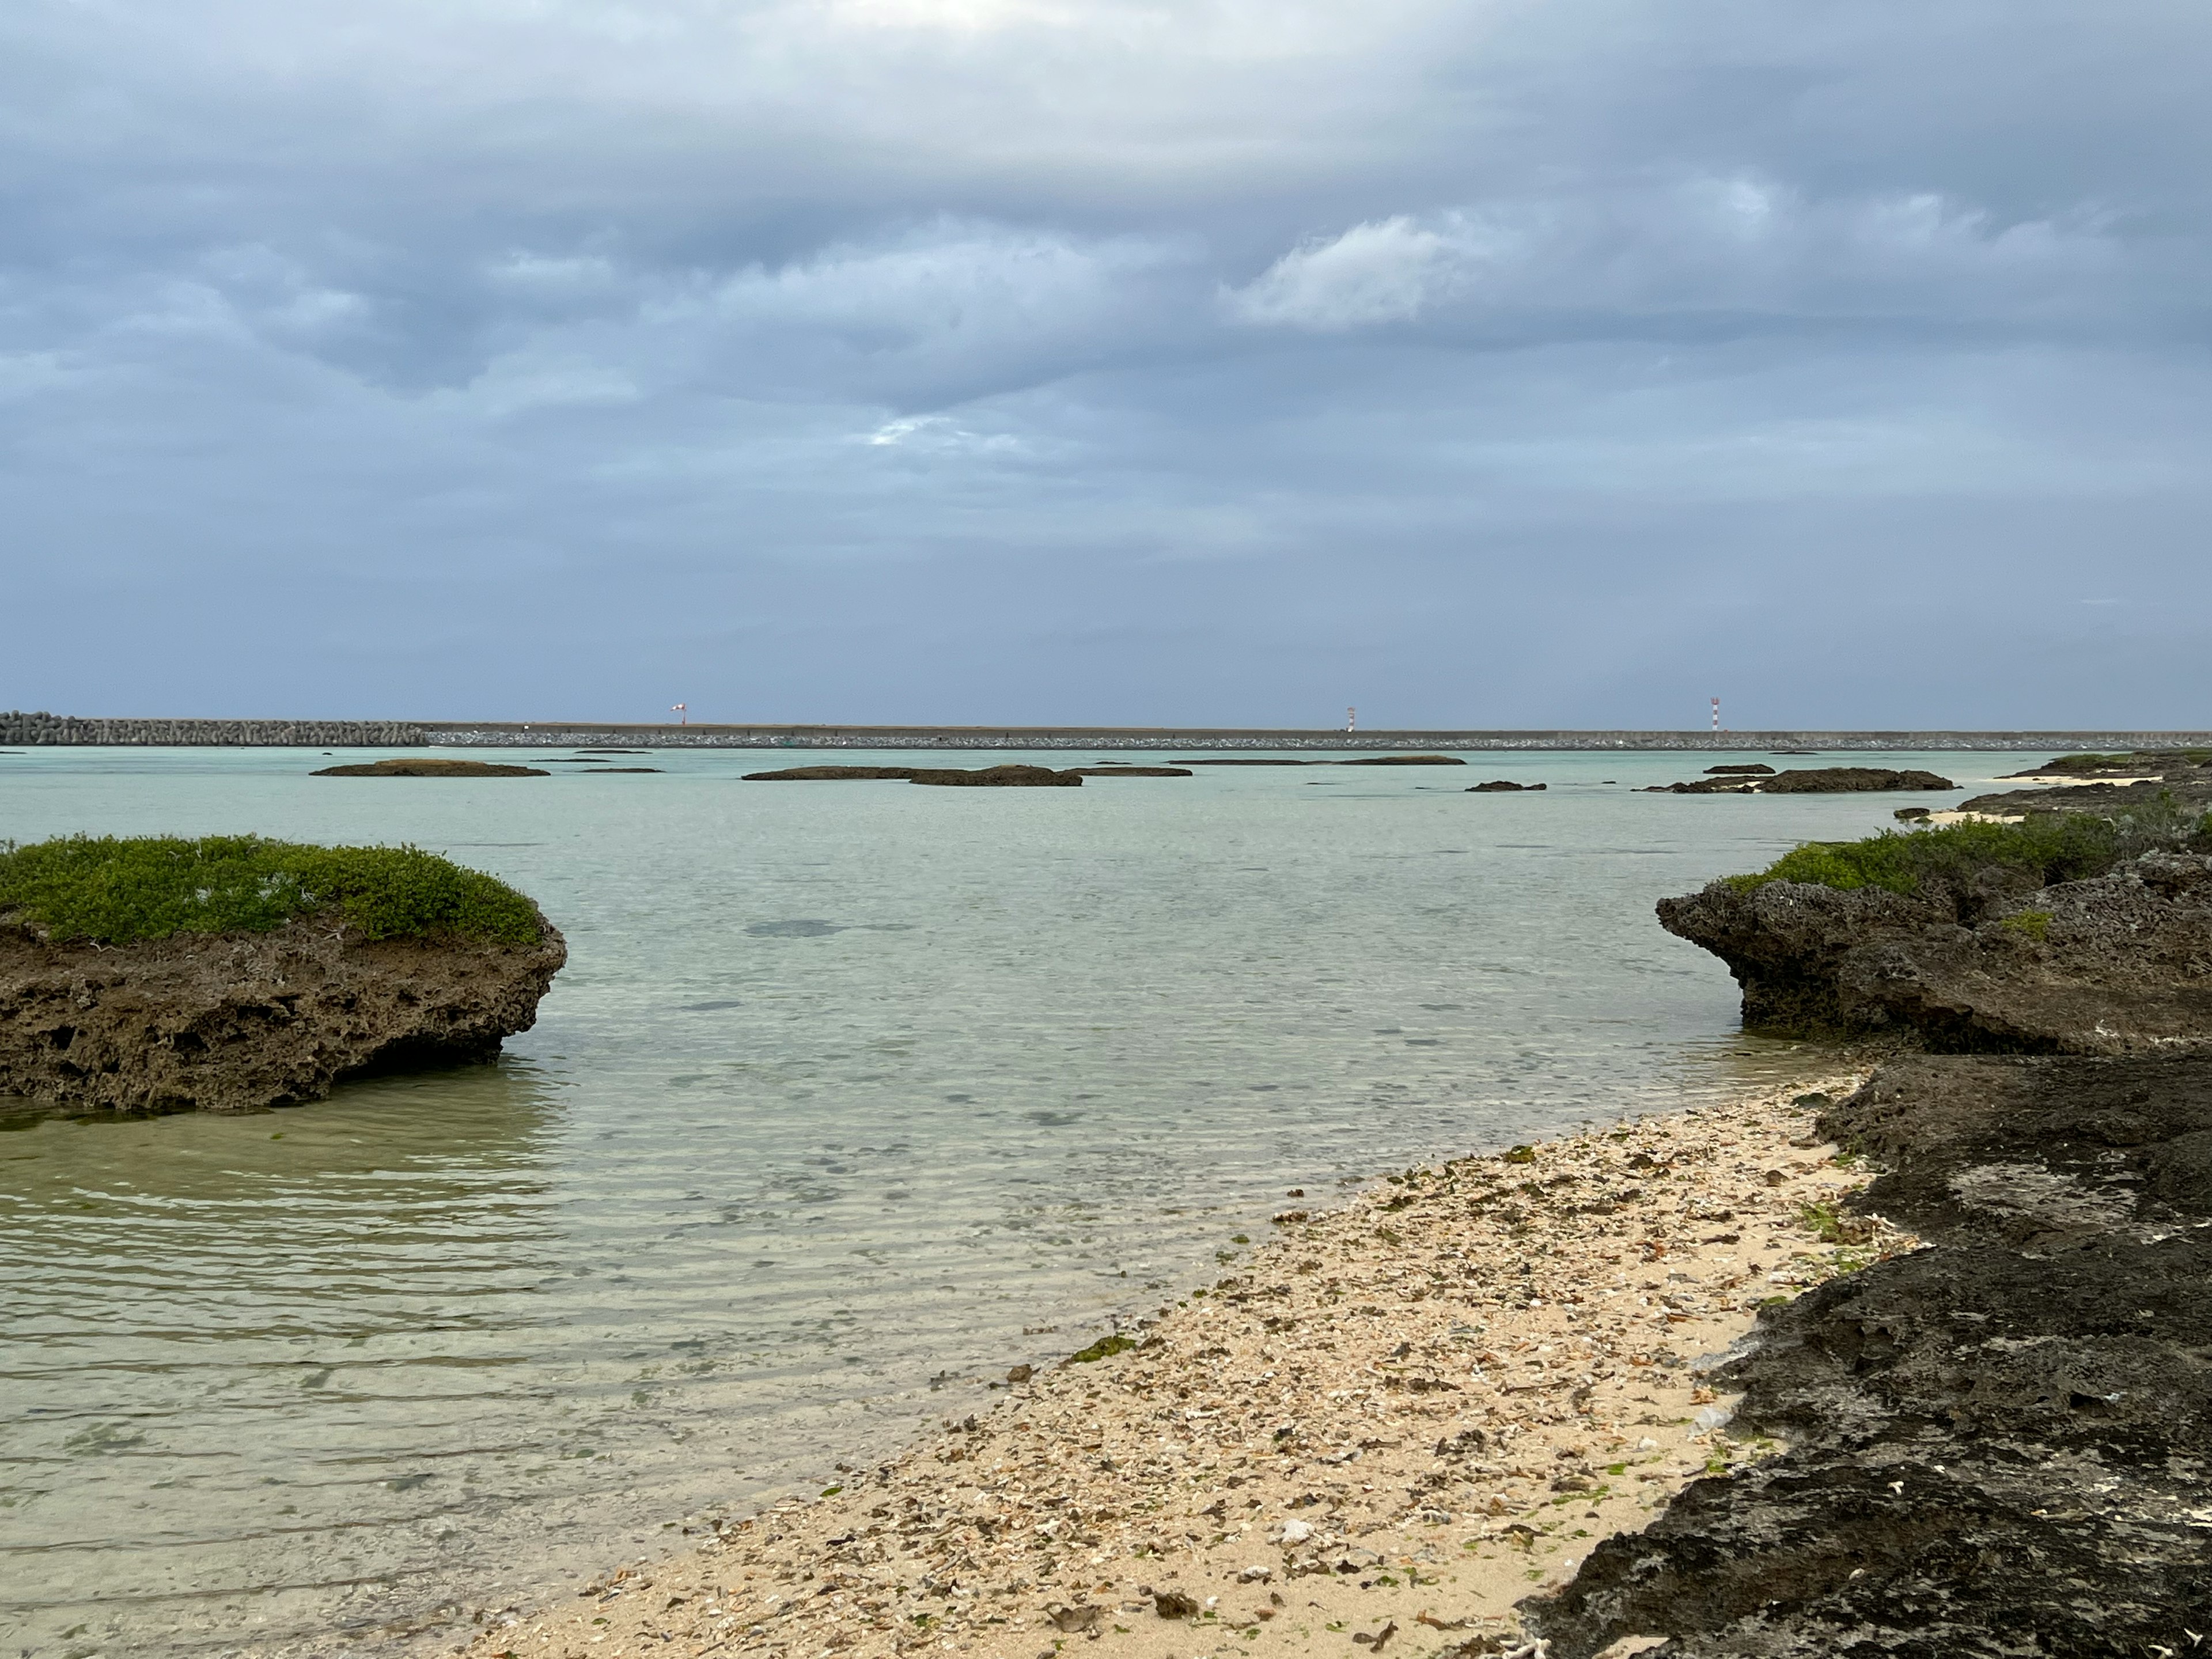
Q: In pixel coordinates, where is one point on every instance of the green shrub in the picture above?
(2030, 924)
(114, 890)
(2050, 845)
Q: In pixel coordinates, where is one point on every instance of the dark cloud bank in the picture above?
(1045, 360)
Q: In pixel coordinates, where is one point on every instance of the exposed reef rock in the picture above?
(832, 774)
(1405, 760)
(988, 777)
(2130, 763)
(1131, 771)
(1000, 777)
(1806, 781)
(1502, 786)
(236, 1022)
(2000, 1446)
(2104, 800)
(431, 768)
(2108, 786)
(2117, 963)
(1754, 770)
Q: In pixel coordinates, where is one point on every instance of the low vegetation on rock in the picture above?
(2065, 930)
(112, 891)
(2048, 847)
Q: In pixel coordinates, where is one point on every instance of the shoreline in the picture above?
(1391, 1420)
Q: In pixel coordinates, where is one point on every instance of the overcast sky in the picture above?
(1480, 362)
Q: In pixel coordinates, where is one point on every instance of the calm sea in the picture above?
(851, 1096)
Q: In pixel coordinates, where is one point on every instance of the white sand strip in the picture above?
(1390, 1423)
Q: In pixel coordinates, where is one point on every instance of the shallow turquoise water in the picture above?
(851, 1096)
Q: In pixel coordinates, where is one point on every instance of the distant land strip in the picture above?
(19, 730)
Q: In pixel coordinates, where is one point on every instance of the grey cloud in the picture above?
(1029, 359)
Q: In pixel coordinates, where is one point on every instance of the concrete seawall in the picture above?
(19, 730)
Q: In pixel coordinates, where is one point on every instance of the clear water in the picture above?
(851, 1096)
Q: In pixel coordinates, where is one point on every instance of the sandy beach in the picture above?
(1381, 1428)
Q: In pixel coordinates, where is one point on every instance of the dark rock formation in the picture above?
(2171, 764)
(1849, 780)
(431, 768)
(2189, 793)
(603, 771)
(1000, 777)
(1502, 786)
(1247, 760)
(1724, 785)
(1997, 1447)
(1131, 771)
(984, 777)
(832, 774)
(1753, 770)
(2117, 963)
(235, 1022)
(1405, 760)
(1806, 781)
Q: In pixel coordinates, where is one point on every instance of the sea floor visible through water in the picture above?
(850, 1095)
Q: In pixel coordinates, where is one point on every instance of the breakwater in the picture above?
(19, 730)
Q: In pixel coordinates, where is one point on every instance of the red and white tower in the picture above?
(1716, 714)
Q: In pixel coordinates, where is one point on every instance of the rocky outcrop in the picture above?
(986, 777)
(1754, 770)
(1000, 777)
(1131, 771)
(1501, 786)
(237, 1022)
(1849, 780)
(832, 775)
(431, 768)
(1997, 1447)
(2174, 764)
(2188, 794)
(2119, 964)
(1405, 760)
(1805, 780)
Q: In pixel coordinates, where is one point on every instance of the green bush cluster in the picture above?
(2050, 845)
(114, 890)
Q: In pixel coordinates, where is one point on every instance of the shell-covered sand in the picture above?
(1390, 1422)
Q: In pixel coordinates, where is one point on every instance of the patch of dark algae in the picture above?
(1998, 1445)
